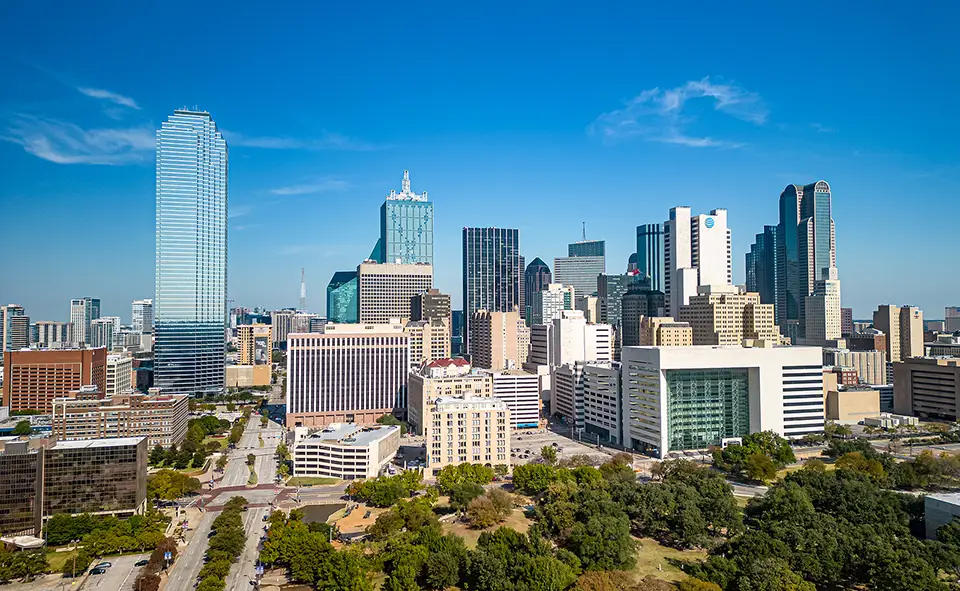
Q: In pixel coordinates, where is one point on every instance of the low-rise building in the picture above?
(520, 390)
(442, 377)
(96, 476)
(889, 420)
(664, 331)
(602, 407)
(849, 406)
(86, 414)
(927, 387)
(465, 429)
(939, 510)
(119, 375)
(346, 451)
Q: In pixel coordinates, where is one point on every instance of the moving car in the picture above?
(142, 563)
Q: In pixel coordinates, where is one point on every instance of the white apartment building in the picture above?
(443, 378)
(566, 400)
(576, 340)
(520, 390)
(346, 451)
(697, 251)
(142, 315)
(685, 398)
(102, 331)
(351, 373)
(822, 309)
(463, 429)
(550, 302)
(119, 375)
(602, 407)
(386, 289)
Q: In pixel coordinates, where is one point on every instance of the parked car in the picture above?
(98, 571)
(104, 565)
(142, 563)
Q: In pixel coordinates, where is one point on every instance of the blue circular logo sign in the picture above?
(708, 223)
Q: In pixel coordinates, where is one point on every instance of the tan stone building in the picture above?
(443, 377)
(852, 405)
(927, 387)
(499, 340)
(464, 429)
(664, 331)
(386, 290)
(723, 315)
(904, 329)
(429, 340)
(255, 348)
(86, 414)
(871, 366)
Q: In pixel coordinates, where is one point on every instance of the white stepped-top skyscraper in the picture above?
(190, 307)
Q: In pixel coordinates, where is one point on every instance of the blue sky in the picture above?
(536, 115)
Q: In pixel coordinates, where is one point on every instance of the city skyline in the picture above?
(718, 131)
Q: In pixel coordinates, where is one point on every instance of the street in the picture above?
(119, 577)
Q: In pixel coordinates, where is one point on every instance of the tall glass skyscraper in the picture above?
(492, 272)
(191, 266)
(406, 226)
(536, 278)
(761, 262)
(650, 254)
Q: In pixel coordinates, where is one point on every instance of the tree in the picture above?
(482, 513)
(389, 419)
(501, 470)
(157, 455)
(22, 428)
(533, 479)
(760, 467)
(199, 459)
(283, 454)
(549, 454)
(264, 421)
(463, 494)
(170, 485)
(693, 584)
(222, 462)
(855, 462)
(455, 474)
(231, 407)
(251, 459)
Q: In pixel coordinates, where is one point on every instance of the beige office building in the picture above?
(255, 348)
(346, 451)
(85, 414)
(664, 331)
(119, 375)
(465, 429)
(443, 377)
(904, 329)
(871, 366)
(723, 315)
(386, 289)
(927, 387)
(429, 340)
(499, 340)
(852, 405)
(822, 310)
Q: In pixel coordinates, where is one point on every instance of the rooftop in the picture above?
(107, 442)
(352, 434)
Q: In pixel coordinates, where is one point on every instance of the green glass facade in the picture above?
(706, 406)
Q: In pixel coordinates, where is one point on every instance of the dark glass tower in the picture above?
(587, 248)
(761, 271)
(492, 273)
(650, 254)
(536, 278)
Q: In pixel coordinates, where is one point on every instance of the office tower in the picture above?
(119, 375)
(431, 305)
(254, 344)
(102, 331)
(82, 312)
(871, 366)
(352, 373)
(499, 340)
(142, 316)
(191, 268)
(822, 310)
(587, 248)
(650, 254)
(520, 391)
(429, 340)
(685, 398)
(761, 266)
(302, 321)
(904, 330)
(722, 315)
(7, 314)
(610, 290)
(523, 301)
(492, 273)
(281, 323)
(664, 331)
(21, 503)
(806, 246)
(442, 377)
(52, 335)
(386, 289)
(846, 322)
(639, 301)
(536, 277)
(302, 302)
(697, 251)
(161, 418)
(456, 333)
(590, 306)
(18, 331)
(573, 339)
(32, 379)
(951, 318)
(549, 302)
(869, 339)
(317, 324)
(343, 301)
(602, 407)
(448, 444)
(406, 227)
(927, 387)
(581, 273)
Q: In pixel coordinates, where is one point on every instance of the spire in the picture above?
(405, 185)
(584, 231)
(303, 292)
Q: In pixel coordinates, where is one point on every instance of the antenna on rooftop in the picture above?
(584, 231)
(303, 292)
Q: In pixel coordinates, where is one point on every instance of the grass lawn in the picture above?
(653, 557)
(56, 560)
(253, 477)
(782, 473)
(741, 501)
(310, 481)
(220, 440)
(517, 520)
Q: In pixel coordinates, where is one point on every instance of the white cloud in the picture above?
(326, 141)
(66, 143)
(113, 97)
(658, 115)
(310, 188)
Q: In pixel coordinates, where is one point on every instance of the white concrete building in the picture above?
(566, 401)
(684, 398)
(822, 310)
(346, 451)
(697, 251)
(464, 429)
(549, 303)
(602, 406)
(520, 390)
(142, 315)
(575, 340)
(119, 375)
(102, 331)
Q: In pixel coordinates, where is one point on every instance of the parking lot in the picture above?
(119, 577)
(525, 446)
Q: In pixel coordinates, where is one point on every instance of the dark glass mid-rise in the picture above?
(650, 254)
(456, 334)
(587, 248)
(492, 272)
(536, 278)
(761, 263)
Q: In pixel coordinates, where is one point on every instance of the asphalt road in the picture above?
(119, 577)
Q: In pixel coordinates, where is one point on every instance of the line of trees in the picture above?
(758, 457)
(170, 485)
(225, 546)
(23, 565)
(192, 451)
(149, 577)
(385, 491)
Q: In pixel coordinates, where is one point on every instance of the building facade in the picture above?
(587, 248)
(102, 331)
(465, 429)
(761, 266)
(638, 302)
(492, 273)
(581, 273)
(697, 251)
(536, 277)
(431, 305)
(520, 391)
(500, 340)
(83, 311)
(346, 451)
(406, 226)
(723, 315)
(549, 302)
(443, 377)
(429, 340)
(255, 349)
(21, 471)
(386, 289)
(142, 315)
(191, 255)
(685, 398)
(904, 329)
(651, 259)
(96, 476)
(352, 373)
(52, 335)
(343, 301)
(871, 366)
(663, 331)
(12, 337)
(927, 387)
(951, 318)
(846, 322)
(119, 377)
(32, 379)
(602, 408)
(161, 418)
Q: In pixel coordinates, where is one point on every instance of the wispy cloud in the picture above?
(66, 143)
(236, 211)
(310, 188)
(243, 227)
(113, 97)
(658, 114)
(326, 141)
(821, 128)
